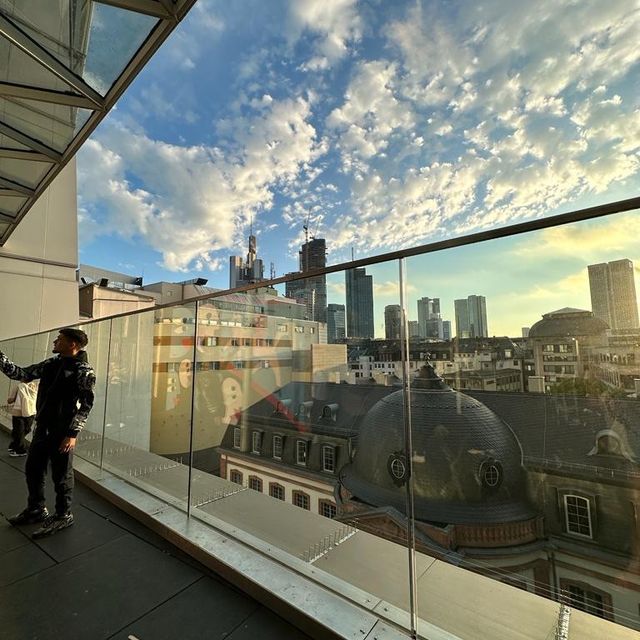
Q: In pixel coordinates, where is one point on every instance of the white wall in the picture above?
(34, 294)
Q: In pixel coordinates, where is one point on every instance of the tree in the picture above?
(584, 387)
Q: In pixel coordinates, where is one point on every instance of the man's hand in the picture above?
(67, 445)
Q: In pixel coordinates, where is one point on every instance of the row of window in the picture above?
(284, 328)
(277, 444)
(300, 499)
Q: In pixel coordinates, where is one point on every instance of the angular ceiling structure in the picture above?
(63, 65)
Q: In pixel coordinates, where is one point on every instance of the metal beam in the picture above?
(21, 189)
(5, 216)
(30, 142)
(148, 7)
(169, 6)
(45, 95)
(23, 154)
(34, 50)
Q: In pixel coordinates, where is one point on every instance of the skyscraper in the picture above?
(613, 293)
(414, 329)
(392, 321)
(336, 325)
(471, 317)
(313, 290)
(429, 320)
(446, 329)
(359, 303)
(462, 318)
(249, 271)
(478, 316)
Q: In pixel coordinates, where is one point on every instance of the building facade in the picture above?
(613, 293)
(359, 298)
(392, 322)
(336, 323)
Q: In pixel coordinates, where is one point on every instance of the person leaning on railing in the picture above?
(64, 400)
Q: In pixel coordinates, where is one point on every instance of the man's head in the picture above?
(69, 342)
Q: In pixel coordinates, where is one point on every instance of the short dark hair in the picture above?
(76, 335)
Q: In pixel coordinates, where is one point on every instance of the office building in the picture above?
(311, 291)
(613, 293)
(446, 330)
(414, 329)
(243, 272)
(428, 311)
(336, 323)
(471, 317)
(392, 322)
(359, 303)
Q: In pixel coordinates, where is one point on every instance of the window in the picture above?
(299, 329)
(282, 328)
(578, 515)
(277, 447)
(301, 500)
(327, 509)
(587, 598)
(235, 476)
(312, 329)
(256, 442)
(328, 459)
(301, 452)
(236, 437)
(276, 491)
(255, 483)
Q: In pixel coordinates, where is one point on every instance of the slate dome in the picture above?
(568, 322)
(467, 462)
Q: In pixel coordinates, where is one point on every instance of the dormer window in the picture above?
(301, 452)
(304, 410)
(609, 443)
(330, 412)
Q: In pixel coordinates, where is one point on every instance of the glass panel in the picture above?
(11, 203)
(275, 390)
(162, 450)
(93, 40)
(90, 439)
(52, 125)
(525, 424)
(24, 172)
(114, 38)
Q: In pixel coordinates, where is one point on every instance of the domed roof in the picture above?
(568, 322)
(467, 463)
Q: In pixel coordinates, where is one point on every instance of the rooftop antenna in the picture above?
(305, 226)
(273, 271)
(352, 254)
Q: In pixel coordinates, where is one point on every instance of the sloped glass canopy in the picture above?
(63, 65)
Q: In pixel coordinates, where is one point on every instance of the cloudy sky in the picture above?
(386, 124)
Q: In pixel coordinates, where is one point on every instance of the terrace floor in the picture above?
(109, 577)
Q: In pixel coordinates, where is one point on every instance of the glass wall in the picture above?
(460, 422)
(525, 423)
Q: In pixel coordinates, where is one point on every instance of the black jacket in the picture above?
(65, 395)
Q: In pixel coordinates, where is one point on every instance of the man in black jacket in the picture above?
(65, 398)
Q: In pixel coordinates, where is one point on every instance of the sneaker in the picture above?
(29, 516)
(10, 449)
(53, 524)
(17, 454)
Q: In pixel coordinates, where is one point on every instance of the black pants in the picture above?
(45, 448)
(20, 427)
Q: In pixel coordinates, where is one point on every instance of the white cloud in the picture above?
(336, 23)
(195, 199)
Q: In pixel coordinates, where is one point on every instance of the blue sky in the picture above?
(386, 124)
